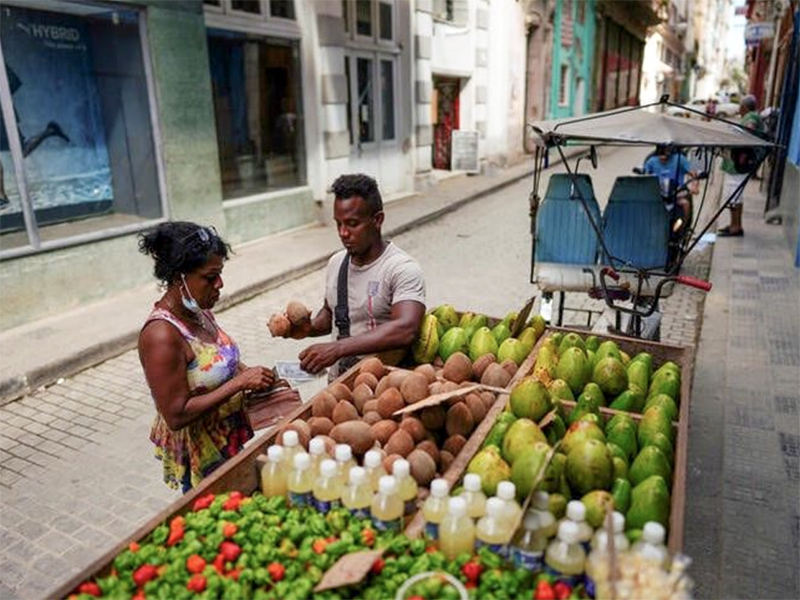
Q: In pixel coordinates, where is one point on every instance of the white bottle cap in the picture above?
(302, 461)
(357, 475)
(494, 507)
(387, 485)
(618, 521)
(576, 511)
(290, 438)
(372, 459)
(532, 521)
(568, 532)
(274, 454)
(401, 468)
(653, 533)
(328, 468)
(541, 500)
(506, 490)
(601, 542)
(472, 482)
(343, 453)
(439, 488)
(457, 506)
(316, 446)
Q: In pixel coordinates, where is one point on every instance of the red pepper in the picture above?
(231, 503)
(544, 591)
(377, 566)
(417, 597)
(139, 595)
(195, 563)
(203, 502)
(236, 494)
(234, 574)
(219, 564)
(91, 588)
(176, 530)
(472, 571)
(133, 547)
(562, 590)
(276, 571)
(431, 549)
(368, 537)
(144, 574)
(229, 530)
(319, 546)
(196, 584)
(471, 585)
(230, 551)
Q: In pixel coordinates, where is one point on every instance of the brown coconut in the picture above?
(340, 391)
(370, 406)
(459, 420)
(414, 427)
(388, 461)
(433, 417)
(454, 444)
(458, 368)
(479, 366)
(383, 430)
(357, 434)
(400, 443)
(344, 412)
(366, 378)
(445, 460)
(428, 370)
(423, 467)
(322, 405)
(488, 398)
(390, 401)
(371, 417)
(373, 365)
(361, 394)
(414, 388)
(279, 325)
(435, 388)
(320, 426)
(297, 313)
(476, 407)
(495, 375)
(438, 362)
(430, 448)
(510, 366)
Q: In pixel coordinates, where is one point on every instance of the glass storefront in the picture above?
(258, 110)
(75, 85)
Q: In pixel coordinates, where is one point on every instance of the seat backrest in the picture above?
(563, 231)
(636, 222)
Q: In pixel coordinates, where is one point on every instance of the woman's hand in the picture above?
(255, 378)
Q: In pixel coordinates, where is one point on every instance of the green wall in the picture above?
(580, 66)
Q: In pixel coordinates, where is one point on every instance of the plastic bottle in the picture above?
(529, 544)
(576, 512)
(512, 511)
(357, 496)
(621, 542)
(373, 464)
(406, 485)
(344, 462)
(456, 531)
(492, 530)
(565, 558)
(540, 505)
(273, 474)
(300, 481)
(327, 487)
(473, 495)
(387, 507)
(597, 562)
(316, 448)
(291, 447)
(651, 545)
(435, 507)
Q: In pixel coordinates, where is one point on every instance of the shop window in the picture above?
(76, 139)
(387, 99)
(258, 112)
(364, 18)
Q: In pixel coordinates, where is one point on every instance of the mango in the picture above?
(621, 430)
(527, 467)
(611, 376)
(617, 452)
(583, 407)
(499, 429)
(539, 324)
(597, 503)
(556, 430)
(528, 338)
(578, 433)
(662, 442)
(556, 338)
(454, 340)
(639, 374)
(666, 403)
(426, 345)
(649, 502)
(608, 348)
(572, 367)
(654, 420)
(546, 362)
(620, 468)
(665, 382)
(593, 391)
(625, 357)
(553, 472)
(501, 333)
(475, 323)
(592, 343)
(522, 434)
(514, 349)
(589, 467)
(481, 343)
(629, 400)
(465, 319)
(491, 467)
(571, 340)
(646, 358)
(530, 399)
(650, 461)
(510, 319)
(621, 492)
(557, 505)
(447, 316)
(558, 388)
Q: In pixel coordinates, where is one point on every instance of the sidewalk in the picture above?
(58, 346)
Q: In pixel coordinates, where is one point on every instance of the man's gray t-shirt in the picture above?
(372, 289)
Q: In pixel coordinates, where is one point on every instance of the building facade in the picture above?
(573, 58)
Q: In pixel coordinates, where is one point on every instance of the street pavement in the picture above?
(76, 467)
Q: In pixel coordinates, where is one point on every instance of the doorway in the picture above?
(446, 111)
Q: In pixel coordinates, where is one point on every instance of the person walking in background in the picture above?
(374, 292)
(736, 166)
(192, 366)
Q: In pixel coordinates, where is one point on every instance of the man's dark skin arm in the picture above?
(398, 332)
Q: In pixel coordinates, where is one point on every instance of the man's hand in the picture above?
(255, 378)
(319, 356)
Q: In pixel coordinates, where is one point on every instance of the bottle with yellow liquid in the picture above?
(473, 495)
(512, 511)
(316, 448)
(300, 481)
(291, 447)
(547, 522)
(273, 474)
(373, 464)
(565, 557)
(621, 542)
(435, 508)
(529, 544)
(456, 531)
(651, 545)
(357, 496)
(327, 488)
(492, 530)
(344, 462)
(387, 507)
(576, 512)
(406, 485)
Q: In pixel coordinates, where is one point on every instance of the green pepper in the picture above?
(160, 534)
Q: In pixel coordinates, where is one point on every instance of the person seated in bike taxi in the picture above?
(671, 167)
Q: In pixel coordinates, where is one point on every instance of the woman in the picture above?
(191, 365)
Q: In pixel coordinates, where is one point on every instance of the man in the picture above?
(385, 289)
(737, 165)
(671, 168)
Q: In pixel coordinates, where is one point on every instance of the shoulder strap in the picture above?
(342, 310)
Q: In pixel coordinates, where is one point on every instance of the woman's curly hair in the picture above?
(180, 247)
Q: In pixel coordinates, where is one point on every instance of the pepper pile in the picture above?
(235, 546)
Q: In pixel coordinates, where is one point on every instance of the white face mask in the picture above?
(189, 303)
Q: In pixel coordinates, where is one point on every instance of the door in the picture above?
(447, 92)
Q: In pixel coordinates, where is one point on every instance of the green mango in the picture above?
(555, 430)
(649, 502)
(501, 333)
(556, 338)
(538, 324)
(530, 399)
(623, 434)
(557, 503)
(481, 343)
(666, 403)
(665, 382)
(546, 362)
(563, 487)
(662, 442)
(572, 367)
(454, 340)
(513, 349)
(578, 432)
(617, 452)
(447, 315)
(426, 345)
(669, 366)
(639, 374)
(610, 374)
(553, 473)
(498, 430)
(475, 323)
(593, 391)
(650, 461)
(597, 503)
(606, 349)
(621, 492)
(527, 466)
(522, 434)
(629, 400)
(465, 319)
(654, 420)
(591, 360)
(592, 343)
(558, 388)
(571, 340)
(582, 408)
(509, 319)
(646, 358)
(589, 467)
(626, 359)
(528, 338)
(491, 467)
(620, 468)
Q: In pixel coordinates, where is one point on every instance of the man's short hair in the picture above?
(358, 184)
(749, 102)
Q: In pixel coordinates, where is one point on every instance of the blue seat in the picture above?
(636, 223)
(563, 232)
